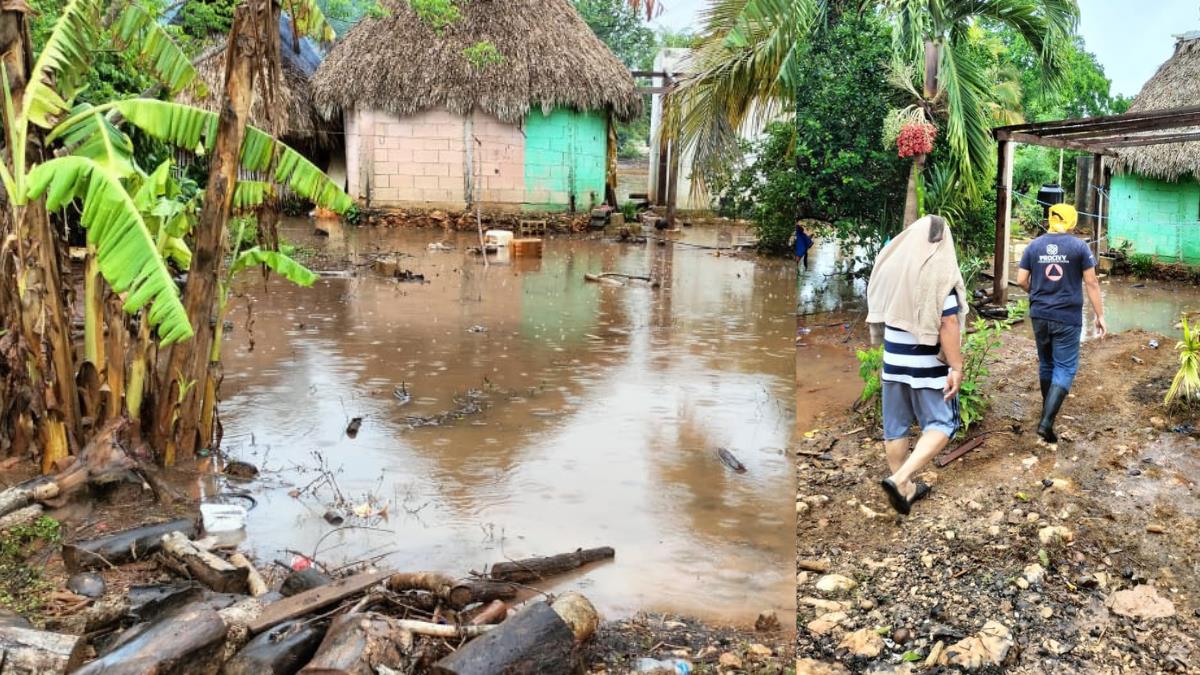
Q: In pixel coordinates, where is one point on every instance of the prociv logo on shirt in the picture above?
(1051, 255)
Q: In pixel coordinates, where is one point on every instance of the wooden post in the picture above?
(1095, 199)
(1004, 169)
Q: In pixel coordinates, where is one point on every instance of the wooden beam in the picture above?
(1094, 199)
(1098, 122)
(1033, 139)
(1130, 141)
(318, 598)
(1004, 170)
(654, 91)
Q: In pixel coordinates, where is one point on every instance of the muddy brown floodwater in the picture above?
(604, 406)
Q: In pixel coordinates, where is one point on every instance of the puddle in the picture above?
(604, 409)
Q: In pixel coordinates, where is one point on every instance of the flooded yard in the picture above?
(587, 415)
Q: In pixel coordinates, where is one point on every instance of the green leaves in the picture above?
(125, 250)
(62, 65)
(309, 20)
(195, 129)
(277, 262)
(95, 136)
(138, 28)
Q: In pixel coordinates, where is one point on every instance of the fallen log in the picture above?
(23, 494)
(537, 639)
(122, 547)
(495, 612)
(282, 650)
(187, 642)
(149, 601)
(532, 569)
(258, 585)
(730, 461)
(25, 650)
(318, 598)
(204, 566)
(22, 516)
(303, 580)
(480, 590)
(356, 644)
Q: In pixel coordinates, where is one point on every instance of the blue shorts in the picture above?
(903, 405)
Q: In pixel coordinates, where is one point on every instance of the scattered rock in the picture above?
(901, 635)
(1047, 612)
(730, 660)
(825, 605)
(866, 643)
(835, 583)
(240, 469)
(815, 667)
(974, 505)
(988, 647)
(1154, 528)
(826, 622)
(1158, 423)
(1141, 602)
(303, 580)
(818, 566)
(767, 622)
(1054, 534)
(935, 654)
(761, 650)
(1034, 574)
(87, 584)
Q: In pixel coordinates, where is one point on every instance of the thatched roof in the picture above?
(398, 64)
(294, 116)
(1175, 85)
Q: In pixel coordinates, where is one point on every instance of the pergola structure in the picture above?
(1100, 136)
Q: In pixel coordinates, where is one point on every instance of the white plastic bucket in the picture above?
(223, 517)
(500, 238)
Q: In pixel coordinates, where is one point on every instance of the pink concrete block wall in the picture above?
(422, 160)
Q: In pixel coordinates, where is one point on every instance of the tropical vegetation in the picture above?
(71, 164)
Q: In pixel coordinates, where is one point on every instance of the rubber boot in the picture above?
(1045, 388)
(1054, 400)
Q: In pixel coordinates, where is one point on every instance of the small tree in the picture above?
(1185, 388)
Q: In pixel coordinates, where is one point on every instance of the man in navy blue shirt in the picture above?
(1055, 270)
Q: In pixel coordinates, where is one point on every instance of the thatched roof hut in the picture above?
(400, 65)
(1175, 85)
(294, 116)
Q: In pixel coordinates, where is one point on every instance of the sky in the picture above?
(1129, 44)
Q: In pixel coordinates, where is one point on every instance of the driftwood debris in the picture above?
(26, 650)
(209, 569)
(356, 644)
(730, 461)
(122, 547)
(303, 580)
(494, 612)
(149, 601)
(22, 516)
(179, 643)
(538, 639)
(457, 594)
(318, 598)
(282, 650)
(22, 495)
(254, 580)
(532, 569)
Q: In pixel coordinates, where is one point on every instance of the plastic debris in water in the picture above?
(1154, 344)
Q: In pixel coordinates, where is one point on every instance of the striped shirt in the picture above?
(907, 362)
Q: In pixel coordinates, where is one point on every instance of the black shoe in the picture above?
(923, 490)
(1054, 400)
(897, 500)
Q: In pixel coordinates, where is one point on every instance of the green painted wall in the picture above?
(1161, 219)
(565, 155)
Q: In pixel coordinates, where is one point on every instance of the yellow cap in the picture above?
(1062, 218)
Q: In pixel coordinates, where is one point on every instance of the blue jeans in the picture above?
(1058, 350)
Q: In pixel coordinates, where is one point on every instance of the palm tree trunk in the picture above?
(912, 198)
(177, 419)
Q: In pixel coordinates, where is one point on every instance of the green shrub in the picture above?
(1141, 264)
(1185, 388)
(22, 587)
(977, 347)
(870, 369)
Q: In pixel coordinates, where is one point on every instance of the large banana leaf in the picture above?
(309, 20)
(59, 70)
(278, 263)
(125, 251)
(169, 65)
(98, 139)
(192, 128)
(249, 194)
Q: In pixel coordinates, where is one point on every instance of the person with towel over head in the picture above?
(917, 293)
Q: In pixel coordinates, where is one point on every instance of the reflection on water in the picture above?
(605, 407)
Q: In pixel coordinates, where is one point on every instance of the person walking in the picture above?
(916, 292)
(1055, 270)
(803, 243)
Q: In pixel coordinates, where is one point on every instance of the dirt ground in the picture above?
(1020, 548)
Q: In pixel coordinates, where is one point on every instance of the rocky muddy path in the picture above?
(1024, 559)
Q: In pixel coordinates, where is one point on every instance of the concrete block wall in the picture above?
(423, 160)
(1159, 218)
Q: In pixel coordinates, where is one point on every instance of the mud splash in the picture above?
(602, 410)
